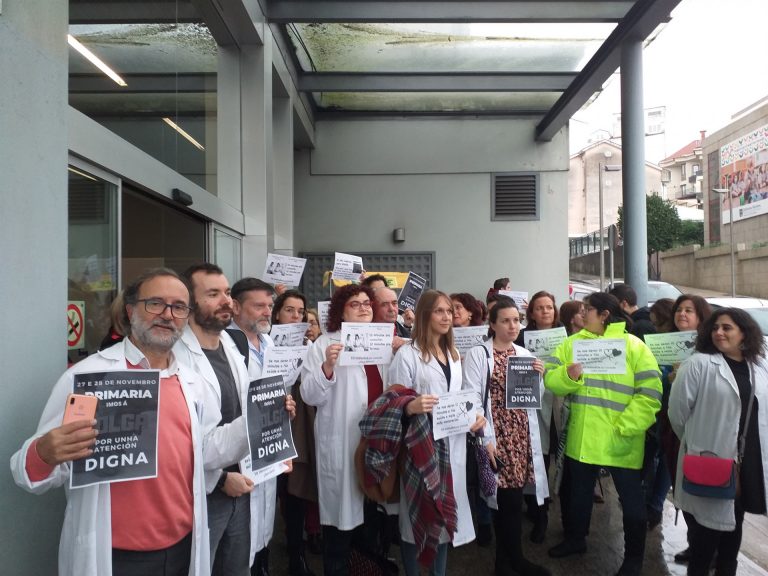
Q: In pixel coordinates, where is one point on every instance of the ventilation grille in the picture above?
(515, 196)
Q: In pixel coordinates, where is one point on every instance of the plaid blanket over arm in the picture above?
(426, 479)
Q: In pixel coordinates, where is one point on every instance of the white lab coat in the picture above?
(408, 369)
(704, 410)
(227, 444)
(341, 403)
(85, 548)
(476, 365)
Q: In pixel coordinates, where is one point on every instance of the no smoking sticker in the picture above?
(75, 324)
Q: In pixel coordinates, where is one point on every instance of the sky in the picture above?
(706, 65)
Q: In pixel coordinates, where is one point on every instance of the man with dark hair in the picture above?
(235, 519)
(154, 526)
(375, 281)
(641, 317)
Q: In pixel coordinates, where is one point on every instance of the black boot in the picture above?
(523, 567)
(260, 565)
(540, 525)
(297, 565)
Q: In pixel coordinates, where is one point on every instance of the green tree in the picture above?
(663, 227)
(691, 232)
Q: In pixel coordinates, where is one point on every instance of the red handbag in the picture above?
(709, 476)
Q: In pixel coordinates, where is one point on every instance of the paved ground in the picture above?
(605, 543)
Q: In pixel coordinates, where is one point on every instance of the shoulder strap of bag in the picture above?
(241, 341)
(487, 382)
(743, 437)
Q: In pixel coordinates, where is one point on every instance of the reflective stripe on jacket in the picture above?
(609, 412)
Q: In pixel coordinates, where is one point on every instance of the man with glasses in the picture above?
(154, 526)
(234, 518)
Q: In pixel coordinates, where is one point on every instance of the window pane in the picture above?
(167, 107)
(92, 246)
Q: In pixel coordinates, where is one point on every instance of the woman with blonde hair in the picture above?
(430, 365)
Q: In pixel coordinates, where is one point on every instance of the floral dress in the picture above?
(513, 443)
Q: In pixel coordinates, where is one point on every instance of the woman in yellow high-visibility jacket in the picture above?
(609, 415)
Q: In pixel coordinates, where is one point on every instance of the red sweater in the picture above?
(155, 513)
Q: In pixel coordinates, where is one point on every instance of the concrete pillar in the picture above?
(33, 284)
(633, 170)
(281, 221)
(257, 151)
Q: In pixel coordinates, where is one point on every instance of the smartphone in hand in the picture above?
(79, 407)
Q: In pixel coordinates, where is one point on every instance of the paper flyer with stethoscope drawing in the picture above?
(289, 334)
(542, 343)
(672, 347)
(280, 269)
(366, 343)
(601, 356)
(455, 413)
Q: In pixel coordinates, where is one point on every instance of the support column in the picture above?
(257, 151)
(281, 224)
(633, 170)
(33, 283)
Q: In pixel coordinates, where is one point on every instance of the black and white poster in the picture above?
(366, 343)
(286, 270)
(523, 383)
(411, 291)
(126, 447)
(269, 425)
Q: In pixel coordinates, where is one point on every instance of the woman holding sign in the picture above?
(542, 315)
(614, 400)
(341, 395)
(511, 436)
(430, 365)
(719, 408)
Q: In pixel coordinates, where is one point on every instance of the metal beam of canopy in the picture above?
(434, 82)
(439, 11)
(142, 83)
(639, 23)
(127, 12)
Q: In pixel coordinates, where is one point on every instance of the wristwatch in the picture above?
(222, 479)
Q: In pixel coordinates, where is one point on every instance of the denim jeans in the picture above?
(229, 523)
(172, 561)
(411, 563)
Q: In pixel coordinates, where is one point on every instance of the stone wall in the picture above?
(710, 268)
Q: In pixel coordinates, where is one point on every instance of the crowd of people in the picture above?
(365, 436)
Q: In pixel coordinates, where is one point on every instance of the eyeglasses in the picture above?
(355, 305)
(157, 307)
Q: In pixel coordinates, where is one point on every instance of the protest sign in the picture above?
(455, 413)
(289, 334)
(322, 311)
(523, 388)
(285, 361)
(466, 337)
(520, 298)
(285, 270)
(366, 343)
(347, 266)
(269, 424)
(672, 347)
(601, 355)
(411, 292)
(126, 447)
(542, 343)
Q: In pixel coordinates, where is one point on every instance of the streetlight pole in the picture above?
(730, 226)
(602, 246)
(603, 168)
